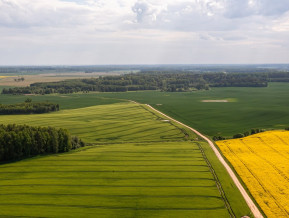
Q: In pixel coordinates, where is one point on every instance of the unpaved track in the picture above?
(247, 198)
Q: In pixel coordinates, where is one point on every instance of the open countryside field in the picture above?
(29, 79)
(153, 158)
(127, 180)
(261, 161)
(8, 79)
(107, 123)
(66, 101)
(246, 107)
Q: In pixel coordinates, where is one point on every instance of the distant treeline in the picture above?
(236, 68)
(164, 81)
(278, 77)
(68, 69)
(20, 141)
(28, 108)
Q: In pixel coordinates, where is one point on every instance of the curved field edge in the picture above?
(66, 101)
(259, 160)
(236, 201)
(133, 179)
(113, 123)
(239, 177)
(234, 197)
(248, 110)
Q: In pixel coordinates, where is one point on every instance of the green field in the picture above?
(108, 119)
(122, 122)
(142, 166)
(72, 101)
(247, 107)
(128, 180)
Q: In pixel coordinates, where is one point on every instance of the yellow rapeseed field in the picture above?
(4, 77)
(262, 161)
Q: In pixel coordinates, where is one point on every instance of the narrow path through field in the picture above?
(247, 198)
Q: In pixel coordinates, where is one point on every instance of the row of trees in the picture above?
(247, 133)
(28, 108)
(240, 135)
(278, 77)
(19, 79)
(236, 80)
(20, 141)
(164, 81)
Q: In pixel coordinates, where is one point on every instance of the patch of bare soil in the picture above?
(215, 101)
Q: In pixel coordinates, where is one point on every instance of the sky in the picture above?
(96, 32)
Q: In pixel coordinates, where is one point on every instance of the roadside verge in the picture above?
(254, 209)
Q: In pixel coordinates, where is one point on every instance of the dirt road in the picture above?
(247, 198)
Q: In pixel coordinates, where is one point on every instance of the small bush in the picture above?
(255, 131)
(239, 135)
(247, 133)
(218, 138)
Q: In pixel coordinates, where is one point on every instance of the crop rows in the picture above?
(259, 160)
(127, 180)
(112, 123)
(140, 166)
(246, 108)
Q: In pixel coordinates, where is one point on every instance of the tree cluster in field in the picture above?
(218, 138)
(28, 108)
(287, 128)
(19, 79)
(21, 141)
(164, 81)
(240, 135)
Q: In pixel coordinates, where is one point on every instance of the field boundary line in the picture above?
(217, 181)
(256, 212)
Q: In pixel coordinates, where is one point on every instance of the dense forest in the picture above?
(278, 77)
(28, 108)
(164, 81)
(20, 141)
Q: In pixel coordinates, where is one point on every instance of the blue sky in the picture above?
(37, 32)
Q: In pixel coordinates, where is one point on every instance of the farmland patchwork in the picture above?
(141, 165)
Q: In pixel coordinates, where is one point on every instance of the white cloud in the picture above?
(244, 8)
(270, 8)
(112, 31)
(29, 13)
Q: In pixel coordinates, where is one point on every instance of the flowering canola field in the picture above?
(262, 161)
(2, 77)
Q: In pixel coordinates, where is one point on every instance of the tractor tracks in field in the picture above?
(218, 183)
(256, 212)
